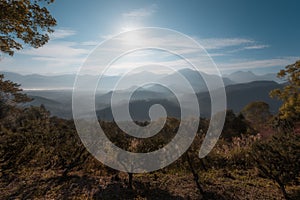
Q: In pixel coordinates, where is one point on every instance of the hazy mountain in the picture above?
(57, 82)
(138, 79)
(107, 83)
(245, 77)
(59, 102)
(195, 78)
(36, 81)
(239, 95)
(139, 110)
(61, 96)
(153, 91)
(56, 108)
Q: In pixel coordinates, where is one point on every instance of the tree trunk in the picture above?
(130, 175)
(282, 188)
(196, 177)
(203, 165)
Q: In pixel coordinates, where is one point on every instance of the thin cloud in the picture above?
(220, 43)
(253, 64)
(58, 55)
(141, 12)
(217, 47)
(257, 47)
(62, 33)
(62, 54)
(108, 36)
(56, 62)
(226, 45)
(56, 50)
(89, 43)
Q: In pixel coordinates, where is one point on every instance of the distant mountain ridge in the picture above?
(246, 77)
(238, 96)
(42, 82)
(57, 82)
(240, 89)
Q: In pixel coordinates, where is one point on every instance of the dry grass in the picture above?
(218, 184)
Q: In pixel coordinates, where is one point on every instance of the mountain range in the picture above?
(107, 83)
(238, 96)
(245, 77)
(55, 92)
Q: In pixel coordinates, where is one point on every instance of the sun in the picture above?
(131, 36)
(128, 28)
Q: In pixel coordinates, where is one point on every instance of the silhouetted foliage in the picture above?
(235, 126)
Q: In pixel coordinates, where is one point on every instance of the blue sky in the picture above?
(261, 36)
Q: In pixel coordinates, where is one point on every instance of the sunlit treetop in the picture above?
(290, 94)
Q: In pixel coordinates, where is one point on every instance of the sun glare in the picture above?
(128, 28)
(131, 37)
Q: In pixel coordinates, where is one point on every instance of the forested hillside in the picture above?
(257, 157)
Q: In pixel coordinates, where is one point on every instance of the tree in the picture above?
(278, 158)
(24, 138)
(11, 92)
(257, 113)
(10, 95)
(24, 21)
(68, 148)
(290, 94)
(235, 126)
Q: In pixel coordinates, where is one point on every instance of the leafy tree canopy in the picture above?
(257, 113)
(290, 94)
(24, 21)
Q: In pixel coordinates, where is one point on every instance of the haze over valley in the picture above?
(55, 92)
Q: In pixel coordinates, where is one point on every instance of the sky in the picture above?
(239, 35)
